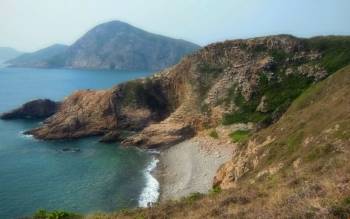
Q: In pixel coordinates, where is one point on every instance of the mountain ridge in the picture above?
(39, 58)
(7, 53)
(117, 45)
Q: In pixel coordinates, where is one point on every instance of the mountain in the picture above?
(112, 45)
(280, 102)
(7, 53)
(38, 59)
(117, 45)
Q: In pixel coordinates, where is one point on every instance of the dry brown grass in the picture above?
(313, 147)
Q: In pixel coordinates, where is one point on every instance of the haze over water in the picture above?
(37, 174)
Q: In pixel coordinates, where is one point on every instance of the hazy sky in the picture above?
(28, 25)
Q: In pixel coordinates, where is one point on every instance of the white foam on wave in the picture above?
(150, 193)
(22, 135)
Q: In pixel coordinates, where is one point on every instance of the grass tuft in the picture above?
(240, 136)
(214, 134)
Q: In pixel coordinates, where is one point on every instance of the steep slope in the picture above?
(40, 59)
(237, 81)
(296, 168)
(7, 53)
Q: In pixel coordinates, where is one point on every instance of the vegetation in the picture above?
(302, 173)
(192, 197)
(336, 50)
(215, 190)
(43, 214)
(240, 136)
(214, 134)
(279, 93)
(209, 72)
(279, 55)
(282, 89)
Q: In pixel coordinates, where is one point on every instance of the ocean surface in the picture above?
(90, 177)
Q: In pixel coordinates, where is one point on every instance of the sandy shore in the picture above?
(188, 167)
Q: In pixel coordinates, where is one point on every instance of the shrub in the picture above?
(192, 197)
(335, 49)
(43, 214)
(215, 190)
(240, 136)
(214, 134)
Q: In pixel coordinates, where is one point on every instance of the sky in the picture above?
(29, 25)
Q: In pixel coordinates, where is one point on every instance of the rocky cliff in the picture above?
(238, 81)
(295, 168)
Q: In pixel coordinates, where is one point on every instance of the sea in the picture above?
(82, 176)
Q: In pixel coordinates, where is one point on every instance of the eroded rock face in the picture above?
(84, 113)
(36, 109)
(190, 96)
(161, 134)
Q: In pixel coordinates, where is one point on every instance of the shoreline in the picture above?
(150, 193)
(189, 167)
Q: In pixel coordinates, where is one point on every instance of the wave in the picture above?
(22, 135)
(150, 193)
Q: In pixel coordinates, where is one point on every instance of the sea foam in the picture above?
(150, 193)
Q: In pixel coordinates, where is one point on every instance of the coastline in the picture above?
(150, 192)
(190, 166)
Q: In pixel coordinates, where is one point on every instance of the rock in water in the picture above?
(36, 109)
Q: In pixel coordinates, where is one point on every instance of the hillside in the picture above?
(275, 99)
(296, 168)
(38, 59)
(237, 81)
(112, 45)
(117, 45)
(7, 53)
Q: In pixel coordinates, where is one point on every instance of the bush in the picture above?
(43, 214)
(215, 190)
(240, 136)
(214, 134)
(192, 197)
(335, 49)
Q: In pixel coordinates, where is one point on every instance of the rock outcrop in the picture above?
(238, 81)
(36, 109)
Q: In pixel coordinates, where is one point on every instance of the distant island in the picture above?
(7, 53)
(42, 58)
(113, 45)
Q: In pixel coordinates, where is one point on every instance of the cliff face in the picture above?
(232, 82)
(296, 168)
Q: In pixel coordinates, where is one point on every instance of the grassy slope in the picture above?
(280, 93)
(312, 148)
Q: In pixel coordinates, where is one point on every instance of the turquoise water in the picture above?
(37, 174)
